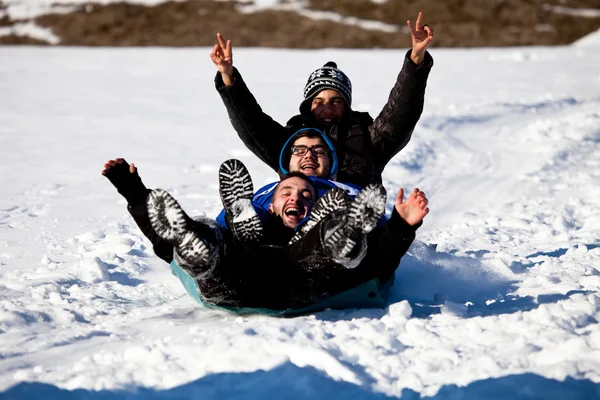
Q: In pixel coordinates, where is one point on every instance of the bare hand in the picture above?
(422, 35)
(222, 57)
(414, 209)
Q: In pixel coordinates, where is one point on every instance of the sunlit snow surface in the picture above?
(497, 298)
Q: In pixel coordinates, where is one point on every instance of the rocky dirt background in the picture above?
(457, 23)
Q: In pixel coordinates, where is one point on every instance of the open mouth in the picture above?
(308, 167)
(292, 212)
(329, 120)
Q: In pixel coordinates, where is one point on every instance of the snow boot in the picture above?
(236, 191)
(333, 200)
(193, 251)
(344, 239)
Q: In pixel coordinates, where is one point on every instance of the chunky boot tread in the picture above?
(172, 224)
(333, 200)
(360, 218)
(236, 191)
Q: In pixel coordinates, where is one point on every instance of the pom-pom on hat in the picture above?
(328, 77)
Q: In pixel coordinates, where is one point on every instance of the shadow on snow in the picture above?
(292, 382)
(428, 279)
(559, 252)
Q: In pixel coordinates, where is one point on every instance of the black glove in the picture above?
(128, 184)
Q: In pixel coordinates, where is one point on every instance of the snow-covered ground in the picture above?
(498, 297)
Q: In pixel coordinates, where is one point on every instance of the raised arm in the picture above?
(128, 183)
(389, 243)
(392, 129)
(260, 133)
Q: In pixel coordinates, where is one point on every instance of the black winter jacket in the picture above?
(364, 146)
(294, 277)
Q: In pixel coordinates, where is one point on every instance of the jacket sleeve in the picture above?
(260, 133)
(162, 248)
(387, 245)
(392, 129)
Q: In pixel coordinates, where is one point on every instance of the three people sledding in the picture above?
(316, 234)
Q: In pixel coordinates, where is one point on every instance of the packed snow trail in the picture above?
(499, 294)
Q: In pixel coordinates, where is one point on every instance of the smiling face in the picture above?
(328, 107)
(309, 164)
(293, 200)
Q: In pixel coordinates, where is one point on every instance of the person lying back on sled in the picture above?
(321, 168)
(310, 152)
(317, 265)
(364, 145)
(318, 159)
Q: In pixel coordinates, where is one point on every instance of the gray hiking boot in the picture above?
(172, 224)
(236, 190)
(345, 240)
(333, 200)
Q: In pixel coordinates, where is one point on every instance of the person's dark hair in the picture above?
(311, 134)
(297, 174)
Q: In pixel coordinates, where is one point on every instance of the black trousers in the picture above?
(278, 276)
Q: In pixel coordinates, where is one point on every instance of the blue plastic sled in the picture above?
(369, 294)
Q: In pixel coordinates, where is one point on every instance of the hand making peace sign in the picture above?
(222, 57)
(422, 35)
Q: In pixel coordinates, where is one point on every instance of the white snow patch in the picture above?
(590, 40)
(31, 30)
(575, 12)
(300, 8)
(498, 296)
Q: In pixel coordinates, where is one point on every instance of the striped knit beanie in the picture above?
(328, 77)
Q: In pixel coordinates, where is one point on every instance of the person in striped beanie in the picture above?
(327, 94)
(364, 144)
